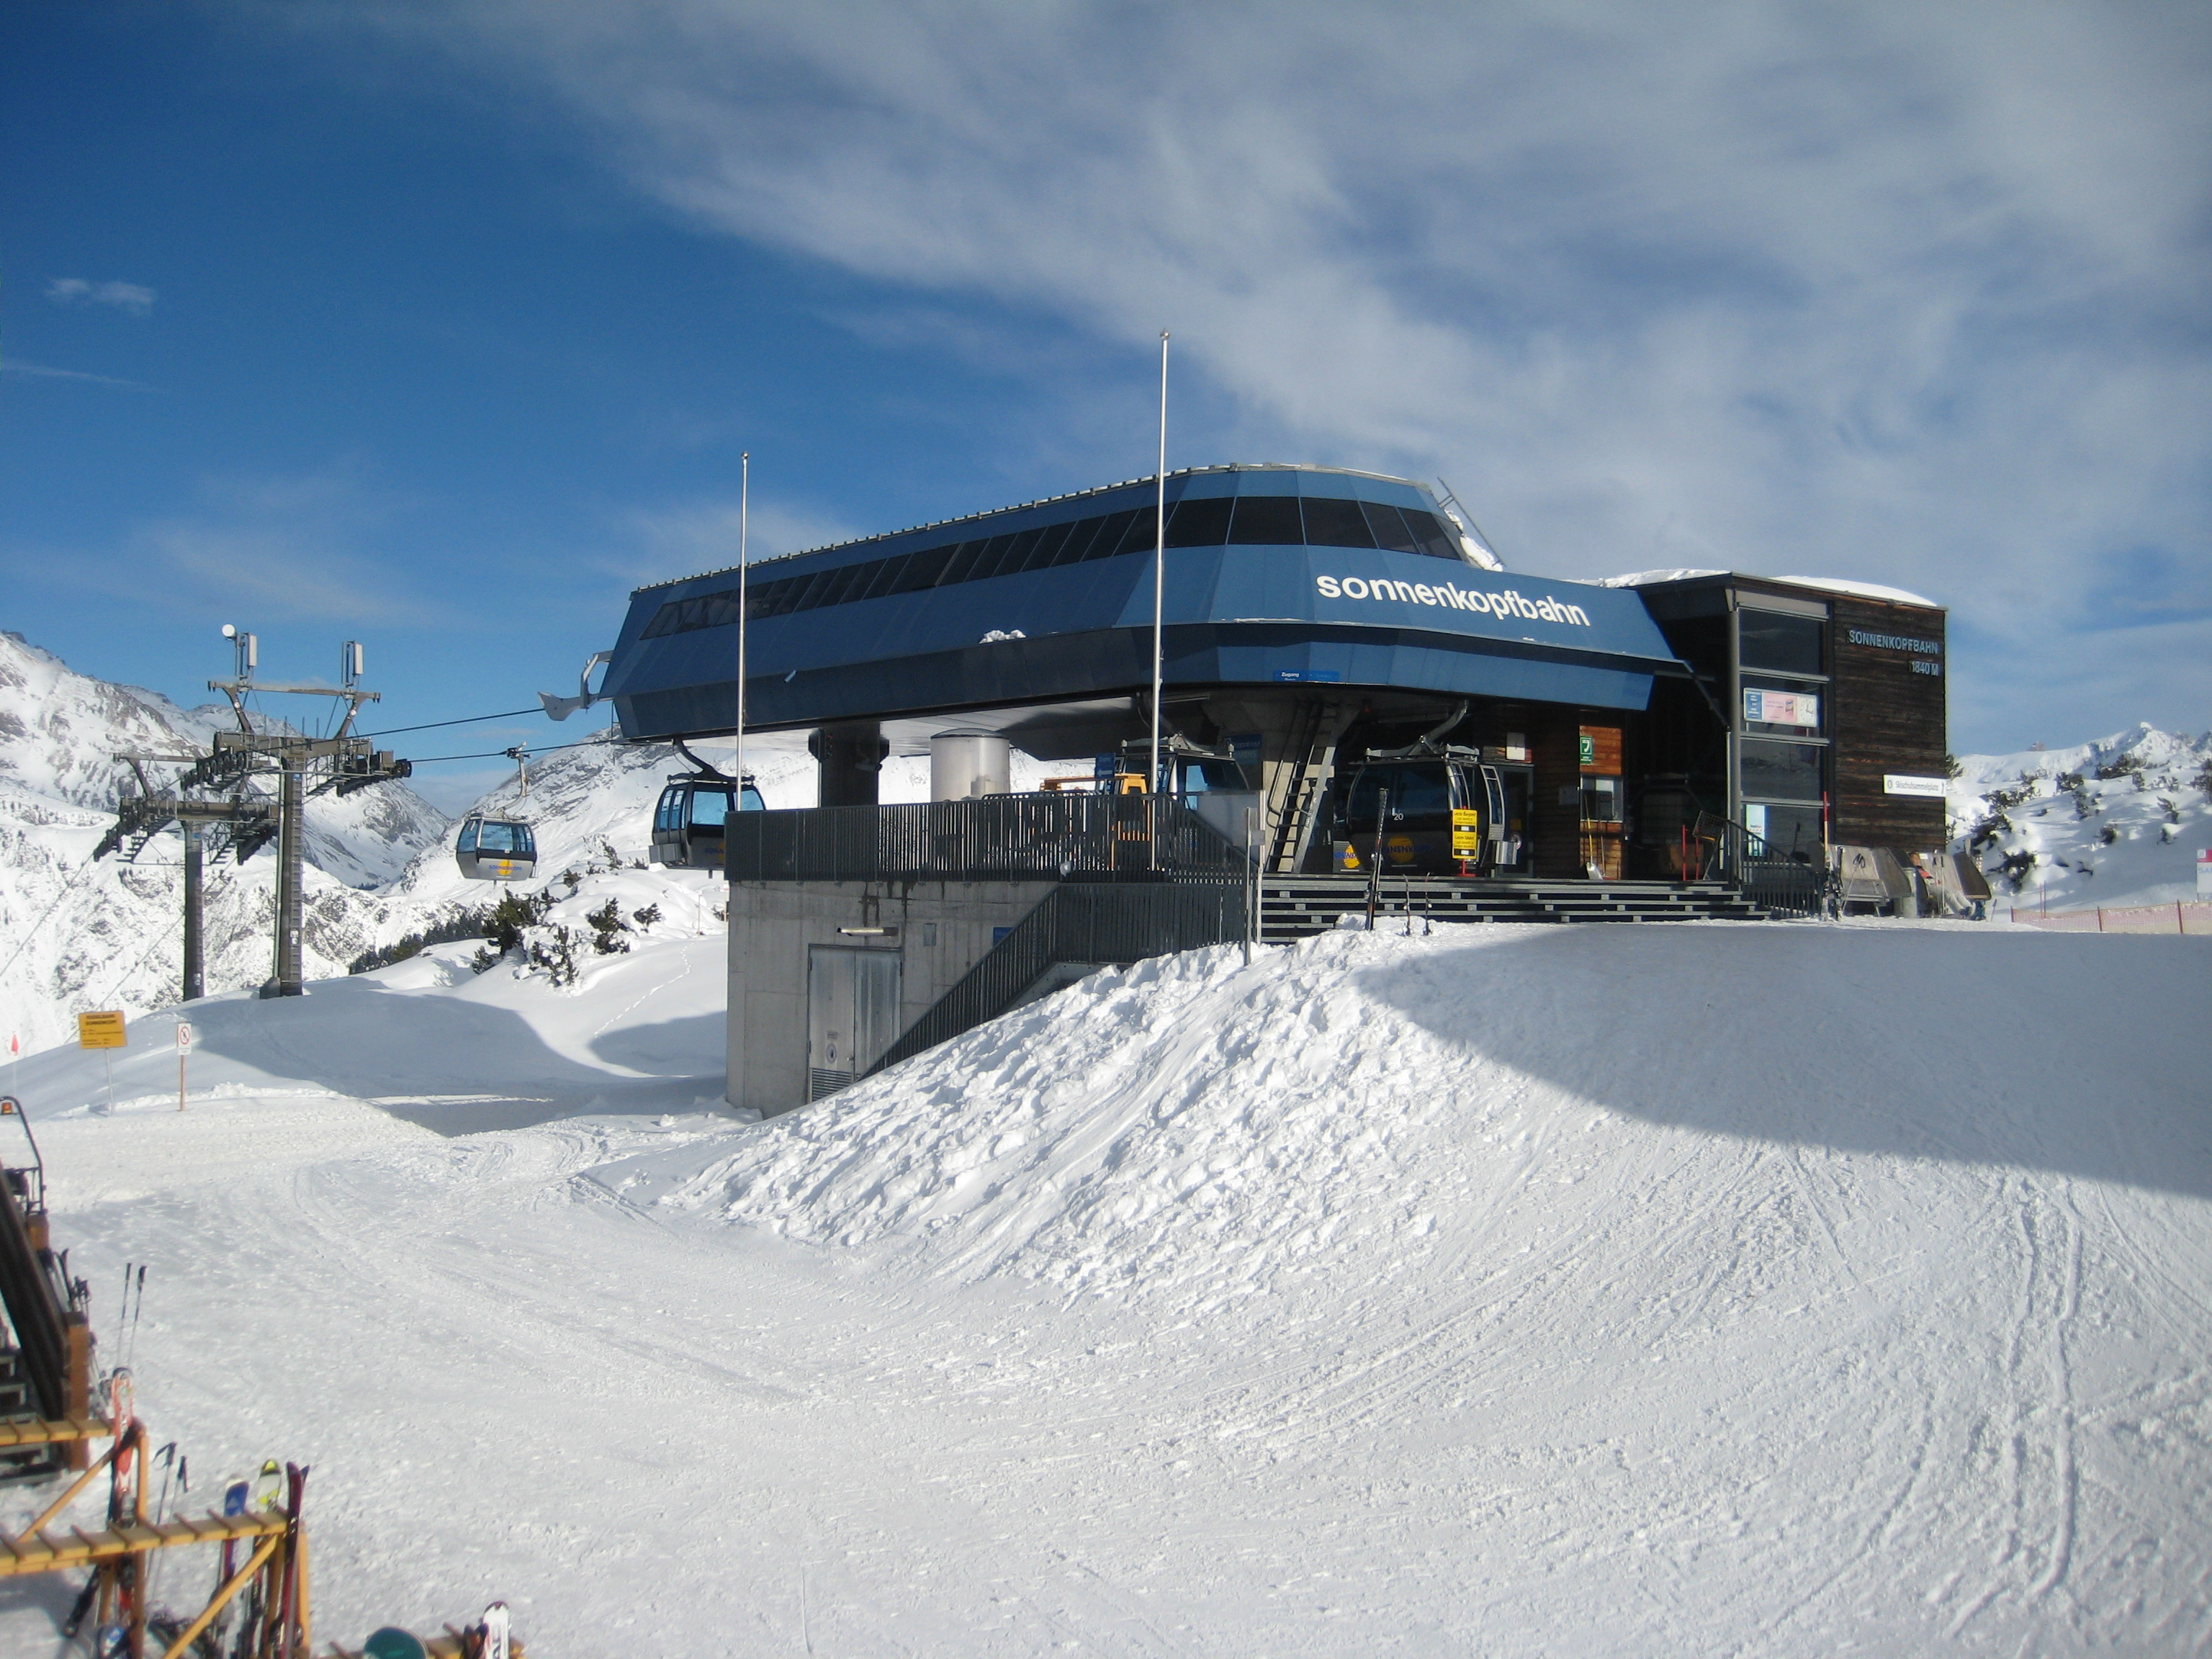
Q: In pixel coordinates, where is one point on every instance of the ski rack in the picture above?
(117, 1553)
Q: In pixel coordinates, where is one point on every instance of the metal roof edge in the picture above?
(1024, 506)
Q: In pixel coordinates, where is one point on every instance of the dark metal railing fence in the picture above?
(1081, 923)
(1043, 837)
(1787, 881)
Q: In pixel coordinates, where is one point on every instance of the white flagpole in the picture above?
(1159, 563)
(745, 509)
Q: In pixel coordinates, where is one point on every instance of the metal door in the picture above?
(852, 1013)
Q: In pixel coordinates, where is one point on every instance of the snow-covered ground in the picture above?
(2114, 822)
(1790, 1289)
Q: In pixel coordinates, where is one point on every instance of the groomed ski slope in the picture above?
(1697, 1290)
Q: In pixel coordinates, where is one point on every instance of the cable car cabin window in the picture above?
(1333, 522)
(1267, 521)
(1389, 526)
(512, 840)
(1420, 797)
(1779, 771)
(1785, 645)
(1429, 536)
(710, 808)
(668, 811)
(1202, 523)
(467, 843)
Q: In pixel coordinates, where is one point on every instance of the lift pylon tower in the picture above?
(242, 815)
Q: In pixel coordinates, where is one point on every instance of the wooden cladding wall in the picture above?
(1884, 716)
(1556, 747)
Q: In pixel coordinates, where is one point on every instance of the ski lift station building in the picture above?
(1357, 703)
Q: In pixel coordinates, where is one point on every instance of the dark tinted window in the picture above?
(1049, 541)
(884, 575)
(1107, 542)
(1791, 645)
(1142, 533)
(1080, 535)
(922, 570)
(840, 585)
(1200, 523)
(1779, 771)
(1389, 526)
(1267, 521)
(961, 563)
(1430, 537)
(663, 622)
(1333, 523)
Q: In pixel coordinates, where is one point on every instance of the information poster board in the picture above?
(101, 1031)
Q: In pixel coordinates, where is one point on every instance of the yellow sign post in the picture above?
(101, 1031)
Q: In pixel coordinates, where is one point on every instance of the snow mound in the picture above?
(1202, 1130)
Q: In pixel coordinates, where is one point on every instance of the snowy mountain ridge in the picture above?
(75, 935)
(2114, 822)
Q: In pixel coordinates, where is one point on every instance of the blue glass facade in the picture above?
(1362, 583)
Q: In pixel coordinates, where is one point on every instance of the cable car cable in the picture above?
(503, 754)
(465, 719)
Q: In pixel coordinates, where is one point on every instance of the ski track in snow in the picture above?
(1354, 1298)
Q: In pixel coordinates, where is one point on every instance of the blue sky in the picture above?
(441, 325)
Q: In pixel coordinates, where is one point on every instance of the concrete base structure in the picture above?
(937, 930)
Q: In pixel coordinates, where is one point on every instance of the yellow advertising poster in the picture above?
(100, 1030)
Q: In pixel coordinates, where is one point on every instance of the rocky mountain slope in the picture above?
(75, 935)
(2114, 822)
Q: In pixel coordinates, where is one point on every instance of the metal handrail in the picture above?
(1784, 884)
(1039, 837)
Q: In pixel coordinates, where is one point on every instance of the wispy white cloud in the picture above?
(309, 547)
(1908, 294)
(40, 371)
(133, 297)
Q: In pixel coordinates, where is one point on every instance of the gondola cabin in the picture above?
(1437, 814)
(688, 823)
(496, 849)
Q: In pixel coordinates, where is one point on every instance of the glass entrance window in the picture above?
(1779, 771)
(1784, 829)
(1782, 644)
